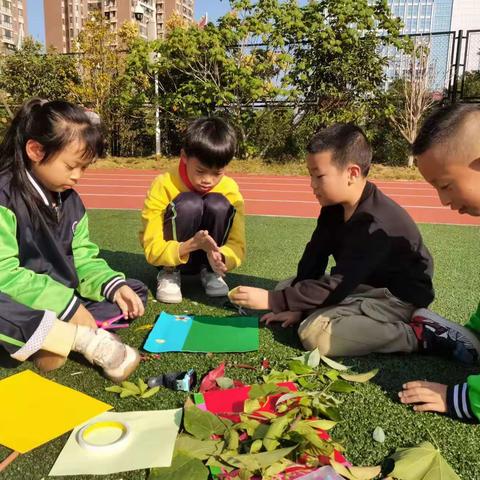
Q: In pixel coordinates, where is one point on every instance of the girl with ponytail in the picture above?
(53, 286)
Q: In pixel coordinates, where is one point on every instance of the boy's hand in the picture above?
(250, 297)
(129, 302)
(215, 259)
(83, 317)
(431, 397)
(203, 241)
(288, 318)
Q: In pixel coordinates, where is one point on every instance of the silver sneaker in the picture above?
(213, 284)
(168, 286)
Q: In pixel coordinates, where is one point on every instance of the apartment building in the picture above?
(13, 23)
(64, 19)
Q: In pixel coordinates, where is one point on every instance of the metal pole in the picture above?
(457, 66)
(157, 120)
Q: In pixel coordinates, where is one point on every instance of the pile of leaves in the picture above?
(287, 443)
(130, 389)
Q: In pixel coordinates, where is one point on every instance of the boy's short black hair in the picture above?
(211, 140)
(348, 145)
(442, 125)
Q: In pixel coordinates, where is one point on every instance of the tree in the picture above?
(102, 61)
(339, 67)
(416, 96)
(216, 69)
(28, 72)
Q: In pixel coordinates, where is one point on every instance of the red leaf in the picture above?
(265, 364)
(208, 382)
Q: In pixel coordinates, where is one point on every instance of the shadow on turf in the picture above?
(395, 370)
(134, 265)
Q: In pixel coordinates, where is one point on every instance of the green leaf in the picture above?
(332, 364)
(142, 386)
(341, 387)
(201, 449)
(299, 368)
(251, 406)
(356, 473)
(311, 359)
(323, 424)
(275, 431)
(360, 377)
(423, 462)
(264, 390)
(127, 393)
(203, 425)
(379, 435)
(257, 461)
(182, 467)
(150, 393)
(114, 389)
(131, 386)
(224, 383)
(256, 446)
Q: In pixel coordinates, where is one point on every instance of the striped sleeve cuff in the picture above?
(70, 309)
(458, 403)
(35, 342)
(111, 286)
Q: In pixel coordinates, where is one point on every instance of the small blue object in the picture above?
(185, 383)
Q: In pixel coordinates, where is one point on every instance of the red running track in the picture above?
(278, 196)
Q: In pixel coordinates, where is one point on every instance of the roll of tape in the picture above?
(118, 443)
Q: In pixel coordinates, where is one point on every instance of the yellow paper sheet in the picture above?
(150, 444)
(36, 410)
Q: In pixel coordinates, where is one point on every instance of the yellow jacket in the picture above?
(165, 253)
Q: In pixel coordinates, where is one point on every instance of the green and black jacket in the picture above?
(48, 264)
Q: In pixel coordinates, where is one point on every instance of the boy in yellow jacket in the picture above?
(193, 218)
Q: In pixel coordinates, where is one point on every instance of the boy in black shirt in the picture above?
(383, 271)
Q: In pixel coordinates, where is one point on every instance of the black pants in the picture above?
(19, 323)
(191, 212)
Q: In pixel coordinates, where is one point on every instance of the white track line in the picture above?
(248, 200)
(257, 190)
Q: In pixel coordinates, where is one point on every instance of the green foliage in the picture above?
(130, 389)
(28, 72)
(471, 85)
(423, 462)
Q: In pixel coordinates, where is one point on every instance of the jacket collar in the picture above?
(45, 195)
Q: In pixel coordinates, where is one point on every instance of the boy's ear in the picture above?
(35, 151)
(354, 173)
(183, 156)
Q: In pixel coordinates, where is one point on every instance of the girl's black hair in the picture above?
(54, 125)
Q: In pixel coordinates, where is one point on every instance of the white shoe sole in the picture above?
(120, 373)
(168, 298)
(467, 333)
(216, 293)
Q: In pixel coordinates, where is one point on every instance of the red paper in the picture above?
(228, 403)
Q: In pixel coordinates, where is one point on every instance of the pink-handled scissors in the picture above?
(110, 323)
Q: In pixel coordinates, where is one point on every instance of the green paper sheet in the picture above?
(223, 334)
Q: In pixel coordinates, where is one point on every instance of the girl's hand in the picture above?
(429, 396)
(129, 302)
(83, 317)
(250, 297)
(288, 318)
(215, 260)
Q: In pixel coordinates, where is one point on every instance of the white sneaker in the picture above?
(168, 286)
(213, 284)
(106, 350)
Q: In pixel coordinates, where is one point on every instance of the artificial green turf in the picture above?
(274, 247)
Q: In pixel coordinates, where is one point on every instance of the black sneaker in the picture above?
(440, 336)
